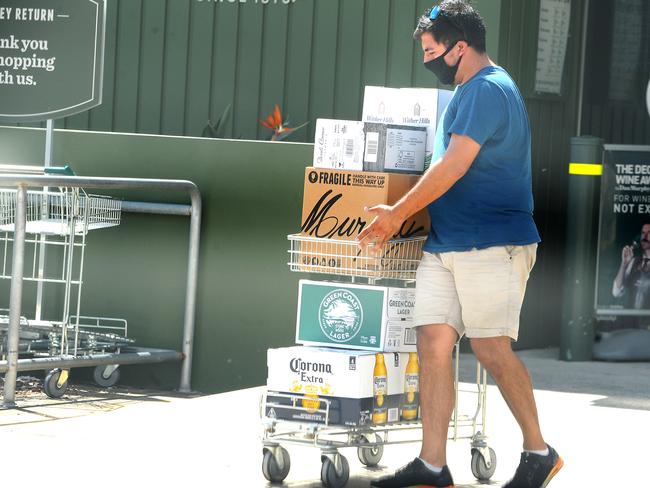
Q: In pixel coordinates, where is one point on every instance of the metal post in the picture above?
(16, 295)
(583, 53)
(49, 136)
(190, 294)
(577, 326)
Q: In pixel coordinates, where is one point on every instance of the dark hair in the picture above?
(456, 21)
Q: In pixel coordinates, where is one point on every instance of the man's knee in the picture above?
(491, 352)
(436, 341)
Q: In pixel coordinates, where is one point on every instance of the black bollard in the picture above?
(578, 317)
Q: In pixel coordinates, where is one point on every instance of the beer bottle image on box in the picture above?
(379, 390)
(411, 388)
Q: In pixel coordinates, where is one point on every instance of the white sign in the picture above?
(554, 19)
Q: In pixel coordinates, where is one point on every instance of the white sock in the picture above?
(540, 453)
(433, 468)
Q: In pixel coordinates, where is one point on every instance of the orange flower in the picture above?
(274, 120)
(275, 123)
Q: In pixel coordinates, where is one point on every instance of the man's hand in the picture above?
(626, 255)
(384, 226)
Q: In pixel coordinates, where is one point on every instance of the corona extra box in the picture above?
(320, 385)
(364, 317)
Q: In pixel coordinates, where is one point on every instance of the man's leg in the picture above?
(536, 469)
(513, 380)
(435, 346)
(438, 316)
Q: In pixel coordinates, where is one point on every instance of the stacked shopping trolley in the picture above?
(57, 222)
(352, 380)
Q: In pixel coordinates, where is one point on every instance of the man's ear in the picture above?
(463, 46)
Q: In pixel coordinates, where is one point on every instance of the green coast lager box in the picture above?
(365, 317)
(303, 381)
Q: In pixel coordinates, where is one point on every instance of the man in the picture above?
(633, 275)
(481, 247)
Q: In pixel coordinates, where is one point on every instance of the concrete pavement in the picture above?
(597, 415)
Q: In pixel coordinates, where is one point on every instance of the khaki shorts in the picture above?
(478, 292)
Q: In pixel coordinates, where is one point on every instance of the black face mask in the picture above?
(442, 70)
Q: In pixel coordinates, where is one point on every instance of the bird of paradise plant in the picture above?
(280, 129)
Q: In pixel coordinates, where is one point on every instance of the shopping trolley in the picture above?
(57, 222)
(398, 260)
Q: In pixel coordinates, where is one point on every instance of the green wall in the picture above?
(252, 197)
(172, 65)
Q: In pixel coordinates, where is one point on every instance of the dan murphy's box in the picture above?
(341, 315)
(334, 201)
(301, 382)
(333, 208)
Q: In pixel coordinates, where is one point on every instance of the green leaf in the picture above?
(223, 121)
(218, 130)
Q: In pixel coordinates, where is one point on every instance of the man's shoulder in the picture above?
(485, 91)
(490, 81)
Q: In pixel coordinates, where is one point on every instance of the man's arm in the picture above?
(441, 176)
(624, 270)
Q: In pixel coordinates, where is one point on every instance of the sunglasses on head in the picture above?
(437, 11)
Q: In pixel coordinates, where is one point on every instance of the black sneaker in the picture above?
(417, 474)
(535, 471)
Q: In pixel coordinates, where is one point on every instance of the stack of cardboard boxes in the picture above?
(396, 133)
(339, 374)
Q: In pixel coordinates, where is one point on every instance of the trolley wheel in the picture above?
(329, 476)
(370, 456)
(53, 386)
(271, 468)
(479, 467)
(106, 381)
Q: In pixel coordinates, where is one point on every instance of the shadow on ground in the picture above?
(624, 384)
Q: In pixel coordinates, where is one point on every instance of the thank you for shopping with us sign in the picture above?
(51, 58)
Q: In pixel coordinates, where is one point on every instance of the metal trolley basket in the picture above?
(398, 261)
(57, 221)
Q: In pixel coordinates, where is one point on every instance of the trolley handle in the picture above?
(60, 170)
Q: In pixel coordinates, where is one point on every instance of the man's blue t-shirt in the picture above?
(492, 204)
